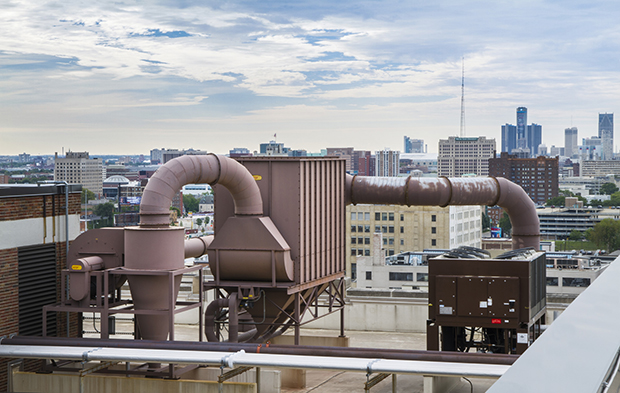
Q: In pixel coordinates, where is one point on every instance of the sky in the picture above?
(123, 77)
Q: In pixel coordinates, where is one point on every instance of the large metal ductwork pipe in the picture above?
(443, 191)
(155, 245)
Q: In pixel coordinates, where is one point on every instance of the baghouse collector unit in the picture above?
(277, 256)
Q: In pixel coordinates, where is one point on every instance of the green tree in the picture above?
(575, 235)
(606, 234)
(190, 203)
(104, 210)
(505, 224)
(556, 201)
(199, 222)
(609, 188)
(87, 195)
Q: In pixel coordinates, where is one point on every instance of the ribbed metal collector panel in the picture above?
(304, 197)
(37, 288)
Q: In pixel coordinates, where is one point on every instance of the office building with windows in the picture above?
(414, 145)
(410, 228)
(387, 162)
(606, 133)
(465, 156)
(79, 168)
(571, 148)
(537, 176)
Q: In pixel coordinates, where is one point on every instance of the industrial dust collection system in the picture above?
(278, 254)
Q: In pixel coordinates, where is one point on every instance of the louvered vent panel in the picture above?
(37, 288)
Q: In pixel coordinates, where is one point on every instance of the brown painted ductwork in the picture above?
(443, 191)
(197, 246)
(211, 169)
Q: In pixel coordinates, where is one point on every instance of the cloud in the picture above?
(155, 62)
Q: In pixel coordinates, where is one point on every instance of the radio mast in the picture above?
(463, 98)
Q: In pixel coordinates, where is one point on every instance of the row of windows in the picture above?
(402, 276)
(366, 252)
(568, 282)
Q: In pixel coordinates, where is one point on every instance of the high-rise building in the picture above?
(79, 168)
(414, 145)
(606, 133)
(387, 162)
(465, 156)
(537, 176)
(522, 141)
(534, 138)
(509, 137)
(570, 142)
(591, 149)
(521, 136)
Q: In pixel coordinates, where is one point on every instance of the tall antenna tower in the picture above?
(463, 98)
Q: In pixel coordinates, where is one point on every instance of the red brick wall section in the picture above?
(9, 310)
(20, 208)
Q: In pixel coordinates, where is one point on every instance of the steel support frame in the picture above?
(107, 304)
(304, 298)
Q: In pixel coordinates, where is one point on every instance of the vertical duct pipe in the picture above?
(155, 245)
(445, 191)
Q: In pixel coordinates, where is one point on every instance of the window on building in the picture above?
(366, 252)
(354, 271)
(401, 276)
(552, 281)
(402, 217)
(402, 229)
(377, 229)
(366, 216)
(353, 216)
(366, 240)
(353, 228)
(368, 275)
(353, 252)
(377, 216)
(402, 242)
(391, 241)
(360, 240)
(433, 229)
(391, 228)
(353, 240)
(360, 228)
(422, 277)
(575, 282)
(391, 251)
(433, 218)
(384, 229)
(384, 216)
(367, 228)
(391, 216)
(433, 242)
(385, 241)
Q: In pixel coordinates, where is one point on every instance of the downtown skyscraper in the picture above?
(606, 133)
(523, 137)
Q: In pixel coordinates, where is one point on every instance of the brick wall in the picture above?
(19, 208)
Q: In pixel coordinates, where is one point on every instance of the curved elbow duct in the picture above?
(197, 246)
(211, 169)
(445, 191)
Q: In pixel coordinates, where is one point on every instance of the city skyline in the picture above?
(126, 77)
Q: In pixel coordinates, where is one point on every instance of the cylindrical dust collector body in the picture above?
(153, 249)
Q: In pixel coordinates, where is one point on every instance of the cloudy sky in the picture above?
(122, 77)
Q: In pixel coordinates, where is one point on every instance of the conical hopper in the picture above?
(155, 251)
